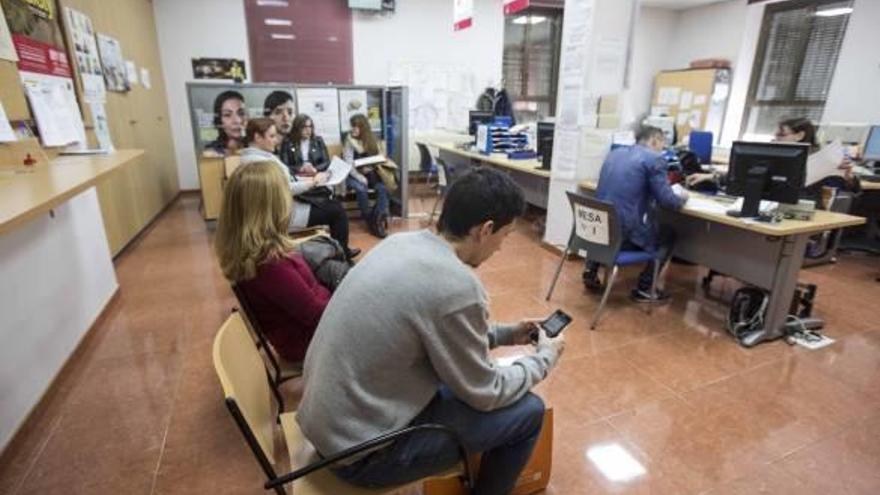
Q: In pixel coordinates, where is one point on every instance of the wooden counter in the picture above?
(531, 166)
(26, 195)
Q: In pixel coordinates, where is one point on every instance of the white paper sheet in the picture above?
(695, 119)
(338, 171)
(145, 77)
(699, 100)
(608, 66)
(113, 63)
(681, 118)
(131, 72)
(322, 105)
(825, 162)
(659, 110)
(81, 36)
(686, 99)
(53, 102)
(6, 132)
(668, 96)
(102, 127)
(351, 102)
(565, 154)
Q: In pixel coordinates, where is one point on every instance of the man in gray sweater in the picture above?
(405, 340)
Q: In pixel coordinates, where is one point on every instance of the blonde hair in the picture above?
(253, 222)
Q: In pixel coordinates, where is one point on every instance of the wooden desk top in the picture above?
(870, 186)
(26, 195)
(527, 166)
(822, 220)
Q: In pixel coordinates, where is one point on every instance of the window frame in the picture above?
(752, 100)
(525, 52)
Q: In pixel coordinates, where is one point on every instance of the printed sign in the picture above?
(591, 224)
(463, 14)
(514, 6)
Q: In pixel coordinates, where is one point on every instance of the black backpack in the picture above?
(747, 311)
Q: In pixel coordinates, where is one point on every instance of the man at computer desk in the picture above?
(632, 178)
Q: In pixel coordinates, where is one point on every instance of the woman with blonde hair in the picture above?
(256, 254)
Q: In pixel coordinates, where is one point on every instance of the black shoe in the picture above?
(644, 296)
(352, 253)
(592, 282)
(380, 224)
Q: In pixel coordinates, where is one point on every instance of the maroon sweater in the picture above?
(288, 303)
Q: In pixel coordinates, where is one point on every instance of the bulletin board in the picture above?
(690, 97)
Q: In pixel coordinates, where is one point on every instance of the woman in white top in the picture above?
(310, 206)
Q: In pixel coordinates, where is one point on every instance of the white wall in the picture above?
(651, 42)
(712, 31)
(58, 276)
(854, 95)
(185, 32)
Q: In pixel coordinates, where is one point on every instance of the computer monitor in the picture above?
(771, 171)
(478, 117)
(544, 146)
(872, 145)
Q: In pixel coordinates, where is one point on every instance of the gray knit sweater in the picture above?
(408, 318)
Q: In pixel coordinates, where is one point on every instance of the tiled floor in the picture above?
(139, 410)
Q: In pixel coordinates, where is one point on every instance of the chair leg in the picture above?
(608, 284)
(434, 209)
(558, 270)
(654, 280)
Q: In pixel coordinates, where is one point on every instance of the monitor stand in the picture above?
(754, 187)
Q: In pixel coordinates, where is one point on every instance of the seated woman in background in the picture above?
(309, 153)
(255, 253)
(361, 143)
(309, 209)
(230, 119)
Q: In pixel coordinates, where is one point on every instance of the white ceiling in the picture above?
(677, 4)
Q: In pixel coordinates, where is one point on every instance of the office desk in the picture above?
(534, 180)
(765, 255)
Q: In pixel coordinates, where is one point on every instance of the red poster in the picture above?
(464, 24)
(39, 57)
(514, 6)
(462, 14)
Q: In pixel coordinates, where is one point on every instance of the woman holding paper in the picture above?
(359, 144)
(313, 203)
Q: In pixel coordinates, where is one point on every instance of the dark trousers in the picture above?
(505, 437)
(662, 249)
(332, 214)
(362, 194)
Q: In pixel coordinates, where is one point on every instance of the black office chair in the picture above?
(822, 248)
(426, 162)
(449, 176)
(277, 369)
(602, 239)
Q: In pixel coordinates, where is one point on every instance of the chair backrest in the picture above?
(255, 330)
(594, 228)
(843, 202)
(240, 369)
(230, 163)
(425, 159)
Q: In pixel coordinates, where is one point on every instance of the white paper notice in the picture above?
(608, 66)
(145, 77)
(131, 72)
(102, 127)
(659, 111)
(6, 132)
(565, 154)
(825, 162)
(668, 96)
(7, 49)
(351, 102)
(55, 109)
(699, 100)
(591, 224)
(695, 121)
(322, 105)
(81, 35)
(681, 118)
(687, 97)
(570, 103)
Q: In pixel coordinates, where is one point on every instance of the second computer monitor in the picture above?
(478, 117)
(872, 145)
(770, 171)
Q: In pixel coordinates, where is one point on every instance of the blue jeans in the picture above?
(360, 190)
(505, 437)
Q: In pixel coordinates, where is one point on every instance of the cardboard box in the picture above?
(534, 477)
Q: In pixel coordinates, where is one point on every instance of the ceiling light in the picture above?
(277, 22)
(273, 3)
(834, 12)
(529, 19)
(279, 36)
(615, 462)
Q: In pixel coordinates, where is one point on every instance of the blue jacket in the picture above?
(631, 178)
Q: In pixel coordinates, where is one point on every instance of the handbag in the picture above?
(316, 196)
(327, 260)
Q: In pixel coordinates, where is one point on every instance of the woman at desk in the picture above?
(230, 119)
(313, 203)
(256, 254)
(361, 143)
(309, 153)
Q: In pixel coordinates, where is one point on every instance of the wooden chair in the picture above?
(248, 398)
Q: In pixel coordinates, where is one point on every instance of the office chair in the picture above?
(426, 162)
(239, 368)
(449, 175)
(603, 244)
(278, 369)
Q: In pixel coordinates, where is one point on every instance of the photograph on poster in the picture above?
(81, 36)
(114, 65)
(220, 112)
(219, 68)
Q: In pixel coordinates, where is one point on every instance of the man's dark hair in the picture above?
(274, 99)
(480, 195)
(646, 132)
